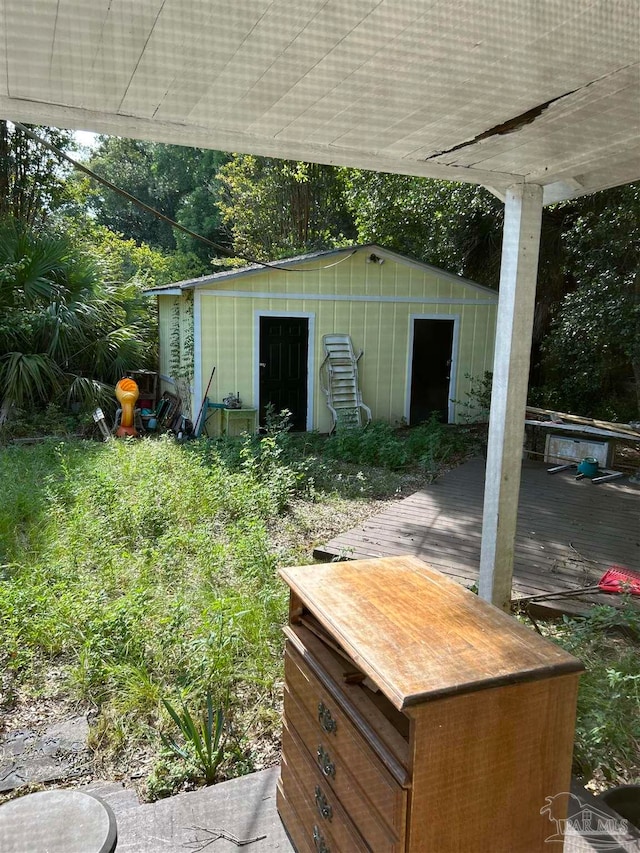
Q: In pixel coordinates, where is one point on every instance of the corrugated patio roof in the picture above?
(498, 93)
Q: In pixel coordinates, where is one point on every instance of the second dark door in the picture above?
(284, 344)
(431, 369)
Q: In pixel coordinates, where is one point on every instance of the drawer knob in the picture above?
(322, 805)
(326, 765)
(319, 841)
(326, 720)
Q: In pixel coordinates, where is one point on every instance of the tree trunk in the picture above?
(5, 408)
(635, 345)
(4, 169)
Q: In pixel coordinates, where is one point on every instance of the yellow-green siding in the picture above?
(371, 302)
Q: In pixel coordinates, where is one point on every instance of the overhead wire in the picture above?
(159, 215)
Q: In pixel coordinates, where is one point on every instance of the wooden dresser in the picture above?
(418, 717)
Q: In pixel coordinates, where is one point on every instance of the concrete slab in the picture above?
(28, 757)
(114, 794)
(224, 817)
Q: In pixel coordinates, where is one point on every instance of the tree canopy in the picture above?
(33, 183)
(182, 183)
(454, 226)
(592, 354)
(279, 208)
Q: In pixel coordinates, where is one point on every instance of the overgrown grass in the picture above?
(145, 568)
(352, 461)
(146, 571)
(607, 742)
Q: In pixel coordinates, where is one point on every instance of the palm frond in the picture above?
(28, 376)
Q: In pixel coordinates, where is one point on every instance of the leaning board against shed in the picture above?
(417, 716)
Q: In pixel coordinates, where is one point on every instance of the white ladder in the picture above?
(339, 381)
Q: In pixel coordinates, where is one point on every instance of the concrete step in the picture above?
(114, 794)
(225, 815)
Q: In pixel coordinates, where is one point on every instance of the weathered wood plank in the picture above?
(568, 532)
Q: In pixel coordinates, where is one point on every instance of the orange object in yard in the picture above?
(127, 394)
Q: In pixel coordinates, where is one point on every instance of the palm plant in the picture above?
(63, 332)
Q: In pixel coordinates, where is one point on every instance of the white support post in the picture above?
(518, 274)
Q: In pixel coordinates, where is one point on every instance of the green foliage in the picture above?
(593, 351)
(63, 333)
(377, 444)
(123, 260)
(278, 208)
(475, 406)
(181, 338)
(140, 568)
(453, 226)
(429, 446)
(608, 719)
(32, 181)
(180, 182)
(263, 463)
(52, 420)
(277, 423)
(204, 736)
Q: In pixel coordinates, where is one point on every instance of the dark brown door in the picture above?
(431, 369)
(284, 344)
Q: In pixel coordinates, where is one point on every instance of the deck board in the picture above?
(569, 532)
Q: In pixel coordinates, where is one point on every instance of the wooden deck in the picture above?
(569, 532)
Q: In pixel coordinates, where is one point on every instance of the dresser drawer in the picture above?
(382, 726)
(376, 833)
(306, 794)
(297, 832)
(351, 768)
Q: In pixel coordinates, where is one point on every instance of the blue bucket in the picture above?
(588, 467)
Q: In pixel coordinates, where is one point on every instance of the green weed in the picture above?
(429, 447)
(607, 741)
(204, 736)
(138, 568)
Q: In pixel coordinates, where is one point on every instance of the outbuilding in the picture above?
(424, 334)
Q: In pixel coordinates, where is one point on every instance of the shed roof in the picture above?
(289, 264)
(499, 93)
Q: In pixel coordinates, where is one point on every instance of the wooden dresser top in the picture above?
(418, 634)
